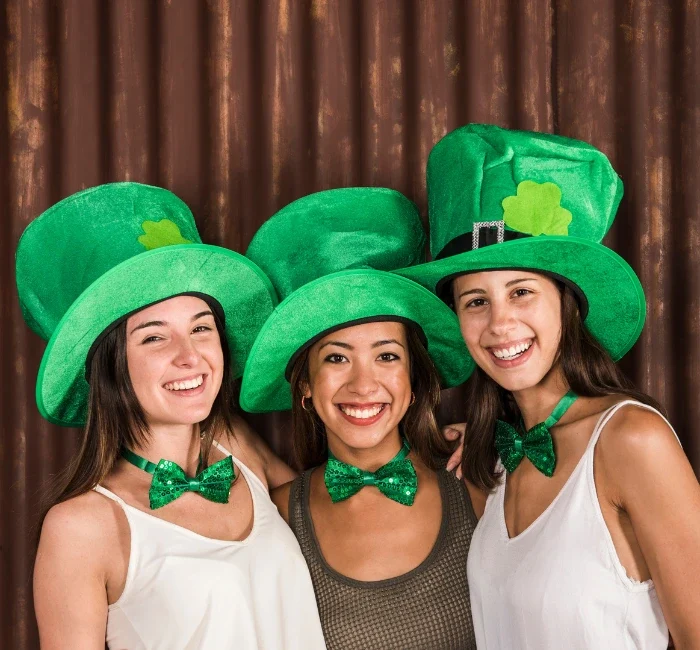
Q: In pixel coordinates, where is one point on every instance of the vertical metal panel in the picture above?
(285, 104)
(82, 151)
(31, 84)
(7, 301)
(240, 107)
(684, 222)
(646, 164)
(334, 33)
(438, 72)
(132, 86)
(181, 88)
(231, 53)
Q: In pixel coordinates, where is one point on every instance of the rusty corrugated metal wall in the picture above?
(240, 107)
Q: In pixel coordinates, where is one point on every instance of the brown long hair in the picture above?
(115, 419)
(419, 425)
(587, 368)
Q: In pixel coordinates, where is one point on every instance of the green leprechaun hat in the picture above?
(329, 256)
(502, 199)
(106, 252)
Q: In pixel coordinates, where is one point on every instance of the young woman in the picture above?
(156, 536)
(589, 527)
(356, 354)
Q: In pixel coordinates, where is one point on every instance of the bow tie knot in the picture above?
(194, 485)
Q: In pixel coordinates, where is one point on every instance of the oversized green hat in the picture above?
(502, 199)
(108, 251)
(329, 256)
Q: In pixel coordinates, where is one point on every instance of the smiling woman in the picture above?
(486, 303)
(358, 377)
(359, 354)
(155, 535)
(591, 522)
(419, 387)
(180, 389)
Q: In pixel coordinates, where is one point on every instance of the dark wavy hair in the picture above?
(587, 368)
(419, 425)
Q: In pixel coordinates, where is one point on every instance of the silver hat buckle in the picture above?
(479, 225)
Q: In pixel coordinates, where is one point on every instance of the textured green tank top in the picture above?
(424, 609)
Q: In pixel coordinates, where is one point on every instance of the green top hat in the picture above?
(501, 199)
(328, 255)
(103, 254)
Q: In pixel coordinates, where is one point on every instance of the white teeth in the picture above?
(185, 385)
(361, 414)
(512, 352)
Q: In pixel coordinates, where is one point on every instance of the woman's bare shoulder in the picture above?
(636, 429)
(90, 516)
(637, 444)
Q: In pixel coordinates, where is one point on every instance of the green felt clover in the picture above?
(161, 233)
(536, 210)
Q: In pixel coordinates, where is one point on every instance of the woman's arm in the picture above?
(70, 575)
(258, 454)
(652, 481)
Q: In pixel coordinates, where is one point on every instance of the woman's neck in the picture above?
(178, 443)
(369, 459)
(537, 403)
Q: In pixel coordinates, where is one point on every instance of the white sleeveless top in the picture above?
(185, 591)
(559, 584)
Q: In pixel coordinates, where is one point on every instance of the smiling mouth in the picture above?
(362, 412)
(185, 384)
(513, 351)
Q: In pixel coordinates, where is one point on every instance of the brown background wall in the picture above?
(241, 107)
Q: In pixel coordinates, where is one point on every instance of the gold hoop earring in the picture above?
(413, 399)
(303, 405)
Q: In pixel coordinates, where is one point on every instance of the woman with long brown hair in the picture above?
(358, 353)
(161, 532)
(589, 531)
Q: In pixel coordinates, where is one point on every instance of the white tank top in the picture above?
(185, 591)
(559, 584)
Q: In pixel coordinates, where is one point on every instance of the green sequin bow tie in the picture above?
(536, 444)
(170, 481)
(396, 480)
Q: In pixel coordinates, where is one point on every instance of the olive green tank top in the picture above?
(424, 609)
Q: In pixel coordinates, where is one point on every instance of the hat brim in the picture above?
(244, 292)
(616, 307)
(347, 297)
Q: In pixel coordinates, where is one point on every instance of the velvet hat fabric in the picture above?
(503, 199)
(329, 255)
(106, 252)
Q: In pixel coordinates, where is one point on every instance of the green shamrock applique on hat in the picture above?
(161, 233)
(536, 210)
